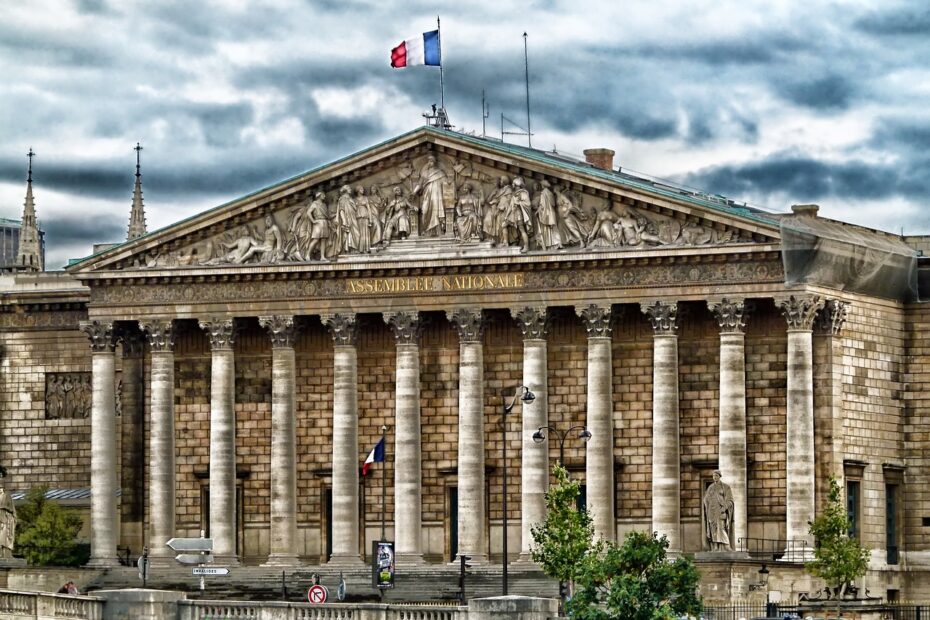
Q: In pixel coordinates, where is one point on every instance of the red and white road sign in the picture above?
(317, 594)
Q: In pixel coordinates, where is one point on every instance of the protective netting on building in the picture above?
(827, 253)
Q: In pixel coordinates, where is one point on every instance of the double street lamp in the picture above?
(540, 436)
(523, 394)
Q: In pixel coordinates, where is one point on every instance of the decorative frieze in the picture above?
(282, 329)
(730, 315)
(343, 327)
(406, 326)
(160, 335)
(469, 322)
(67, 395)
(832, 318)
(101, 334)
(800, 310)
(596, 320)
(221, 332)
(532, 321)
(663, 316)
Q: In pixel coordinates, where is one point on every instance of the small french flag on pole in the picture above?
(422, 50)
(375, 456)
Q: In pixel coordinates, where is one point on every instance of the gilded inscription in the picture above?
(470, 282)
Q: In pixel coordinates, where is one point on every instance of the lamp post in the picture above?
(524, 394)
(540, 436)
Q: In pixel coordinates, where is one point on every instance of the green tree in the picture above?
(838, 559)
(636, 581)
(562, 541)
(45, 532)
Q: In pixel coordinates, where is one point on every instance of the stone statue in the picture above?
(346, 222)
(432, 209)
(397, 216)
(547, 218)
(365, 221)
(498, 202)
(377, 205)
(718, 514)
(571, 229)
(606, 230)
(517, 219)
(7, 520)
(318, 232)
(468, 214)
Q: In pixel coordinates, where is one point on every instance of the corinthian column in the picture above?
(731, 316)
(345, 439)
(599, 458)
(800, 311)
(104, 525)
(162, 489)
(828, 403)
(407, 472)
(222, 438)
(666, 459)
(534, 479)
(471, 509)
(283, 333)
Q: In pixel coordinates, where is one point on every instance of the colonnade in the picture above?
(469, 322)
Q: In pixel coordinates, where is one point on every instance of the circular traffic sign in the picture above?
(317, 594)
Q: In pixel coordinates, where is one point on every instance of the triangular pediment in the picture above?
(434, 194)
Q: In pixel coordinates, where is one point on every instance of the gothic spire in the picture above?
(29, 255)
(137, 215)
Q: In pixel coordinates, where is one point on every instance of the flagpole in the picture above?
(526, 65)
(442, 88)
(383, 480)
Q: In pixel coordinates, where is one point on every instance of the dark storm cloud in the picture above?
(831, 92)
(902, 21)
(98, 228)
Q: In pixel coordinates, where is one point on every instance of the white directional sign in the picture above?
(209, 570)
(194, 558)
(191, 544)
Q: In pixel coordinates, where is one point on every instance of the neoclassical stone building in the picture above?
(232, 371)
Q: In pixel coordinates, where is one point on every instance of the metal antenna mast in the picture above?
(485, 113)
(442, 88)
(526, 64)
(138, 150)
(30, 155)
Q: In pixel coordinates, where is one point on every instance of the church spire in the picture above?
(29, 255)
(137, 215)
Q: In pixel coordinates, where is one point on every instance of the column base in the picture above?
(102, 562)
(346, 560)
(476, 558)
(282, 560)
(525, 561)
(409, 559)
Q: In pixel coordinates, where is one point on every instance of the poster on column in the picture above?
(382, 564)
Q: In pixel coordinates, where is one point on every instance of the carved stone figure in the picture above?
(571, 229)
(468, 214)
(377, 205)
(399, 223)
(606, 230)
(498, 202)
(346, 222)
(7, 520)
(517, 220)
(718, 514)
(547, 218)
(319, 230)
(266, 248)
(364, 219)
(631, 229)
(67, 395)
(698, 234)
(432, 209)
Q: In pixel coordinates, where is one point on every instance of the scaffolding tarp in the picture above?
(825, 253)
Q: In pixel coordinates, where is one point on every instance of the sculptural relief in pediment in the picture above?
(444, 202)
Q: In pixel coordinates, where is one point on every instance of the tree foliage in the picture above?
(631, 581)
(563, 540)
(838, 559)
(45, 532)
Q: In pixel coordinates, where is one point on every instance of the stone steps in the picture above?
(422, 584)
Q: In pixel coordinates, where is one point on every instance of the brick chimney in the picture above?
(808, 210)
(602, 158)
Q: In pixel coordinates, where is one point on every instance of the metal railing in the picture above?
(736, 611)
(894, 611)
(774, 549)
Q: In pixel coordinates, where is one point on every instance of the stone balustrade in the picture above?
(43, 606)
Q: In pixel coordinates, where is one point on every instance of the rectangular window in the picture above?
(852, 507)
(891, 523)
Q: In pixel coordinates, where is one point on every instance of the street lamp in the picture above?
(763, 580)
(524, 394)
(540, 436)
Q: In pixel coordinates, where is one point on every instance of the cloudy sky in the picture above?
(773, 102)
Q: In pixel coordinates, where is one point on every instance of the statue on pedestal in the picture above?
(7, 520)
(718, 514)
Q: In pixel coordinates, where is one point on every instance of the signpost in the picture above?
(201, 553)
(194, 558)
(317, 594)
(210, 570)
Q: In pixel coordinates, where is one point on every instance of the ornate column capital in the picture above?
(663, 315)
(832, 318)
(730, 315)
(220, 331)
(800, 310)
(160, 334)
(406, 326)
(101, 334)
(343, 326)
(596, 320)
(532, 321)
(282, 329)
(469, 322)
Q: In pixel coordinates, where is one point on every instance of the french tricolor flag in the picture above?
(423, 50)
(375, 456)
